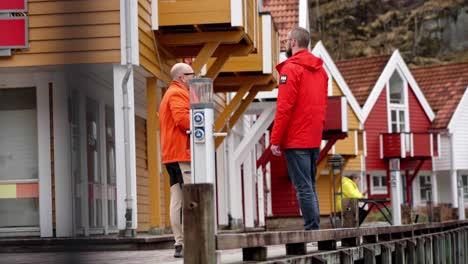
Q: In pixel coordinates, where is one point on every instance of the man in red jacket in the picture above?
(300, 115)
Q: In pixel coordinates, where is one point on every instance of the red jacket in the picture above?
(302, 102)
(174, 119)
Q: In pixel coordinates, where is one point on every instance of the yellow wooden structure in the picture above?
(352, 148)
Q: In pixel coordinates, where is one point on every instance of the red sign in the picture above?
(14, 32)
(11, 6)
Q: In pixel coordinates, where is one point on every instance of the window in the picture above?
(425, 187)
(379, 184)
(396, 89)
(465, 186)
(19, 169)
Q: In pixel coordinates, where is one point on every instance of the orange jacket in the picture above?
(174, 118)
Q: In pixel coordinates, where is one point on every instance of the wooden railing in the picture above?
(445, 242)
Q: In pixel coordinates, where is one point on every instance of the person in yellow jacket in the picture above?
(350, 190)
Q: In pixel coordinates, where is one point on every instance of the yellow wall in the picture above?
(143, 194)
(64, 32)
(150, 56)
(194, 12)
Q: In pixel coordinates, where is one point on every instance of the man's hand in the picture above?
(275, 149)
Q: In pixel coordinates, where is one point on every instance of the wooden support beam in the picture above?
(205, 54)
(234, 50)
(229, 109)
(215, 69)
(411, 249)
(187, 39)
(152, 145)
(428, 250)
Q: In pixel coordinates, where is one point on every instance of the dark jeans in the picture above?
(302, 169)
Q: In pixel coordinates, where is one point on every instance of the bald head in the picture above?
(180, 69)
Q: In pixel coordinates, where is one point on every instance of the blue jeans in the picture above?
(302, 168)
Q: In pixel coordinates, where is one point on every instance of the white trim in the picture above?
(364, 133)
(356, 142)
(118, 73)
(134, 33)
(412, 144)
(44, 162)
(452, 123)
(255, 133)
(432, 145)
(260, 197)
(381, 145)
(304, 14)
(439, 149)
(330, 79)
(266, 43)
(402, 145)
(154, 15)
(320, 51)
(236, 13)
(123, 32)
(344, 115)
(396, 61)
(19, 181)
(62, 159)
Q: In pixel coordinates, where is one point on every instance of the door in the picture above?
(19, 170)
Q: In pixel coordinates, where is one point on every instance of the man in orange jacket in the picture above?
(299, 119)
(174, 118)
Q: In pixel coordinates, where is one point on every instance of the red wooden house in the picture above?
(397, 120)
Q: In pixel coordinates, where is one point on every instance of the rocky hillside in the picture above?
(425, 32)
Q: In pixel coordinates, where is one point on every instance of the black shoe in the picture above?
(178, 251)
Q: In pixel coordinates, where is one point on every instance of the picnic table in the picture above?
(380, 204)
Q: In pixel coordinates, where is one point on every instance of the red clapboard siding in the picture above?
(419, 122)
(376, 124)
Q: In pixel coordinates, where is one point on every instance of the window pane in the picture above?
(384, 181)
(22, 212)
(18, 136)
(375, 181)
(396, 89)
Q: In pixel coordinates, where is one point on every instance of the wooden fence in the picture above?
(444, 242)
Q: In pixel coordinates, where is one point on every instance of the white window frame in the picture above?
(39, 80)
(428, 181)
(381, 189)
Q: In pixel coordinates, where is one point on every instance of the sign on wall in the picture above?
(12, 6)
(14, 32)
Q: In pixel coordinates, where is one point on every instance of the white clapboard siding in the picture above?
(460, 131)
(442, 162)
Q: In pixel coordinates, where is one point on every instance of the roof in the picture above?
(285, 14)
(361, 74)
(443, 86)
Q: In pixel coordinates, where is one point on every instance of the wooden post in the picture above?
(411, 249)
(406, 214)
(448, 249)
(199, 224)
(318, 260)
(350, 212)
(386, 254)
(436, 249)
(436, 214)
(369, 255)
(346, 257)
(443, 249)
(428, 250)
(420, 251)
(350, 218)
(399, 252)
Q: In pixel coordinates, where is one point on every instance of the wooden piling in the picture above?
(199, 224)
(369, 255)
